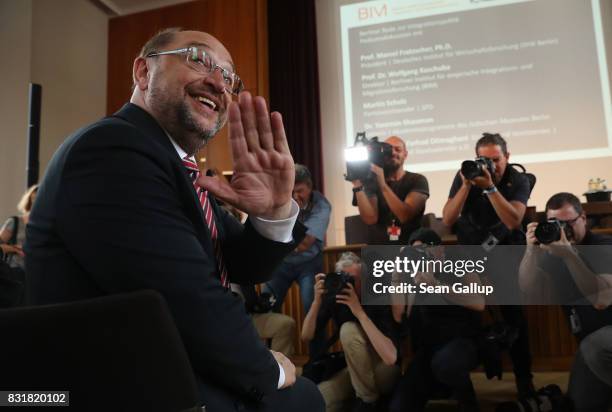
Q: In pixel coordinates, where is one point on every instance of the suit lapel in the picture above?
(149, 126)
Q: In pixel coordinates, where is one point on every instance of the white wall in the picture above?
(552, 177)
(15, 37)
(62, 45)
(69, 59)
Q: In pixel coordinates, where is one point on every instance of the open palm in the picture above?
(264, 171)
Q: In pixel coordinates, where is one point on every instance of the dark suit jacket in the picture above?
(117, 212)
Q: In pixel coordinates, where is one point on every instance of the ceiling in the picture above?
(123, 7)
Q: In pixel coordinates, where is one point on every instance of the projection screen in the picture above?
(439, 73)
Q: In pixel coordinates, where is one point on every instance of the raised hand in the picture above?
(379, 173)
(485, 181)
(530, 234)
(464, 180)
(264, 171)
(561, 248)
(319, 287)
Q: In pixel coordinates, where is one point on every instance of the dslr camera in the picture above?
(363, 154)
(550, 231)
(265, 303)
(474, 168)
(335, 282)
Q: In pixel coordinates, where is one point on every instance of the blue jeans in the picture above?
(287, 273)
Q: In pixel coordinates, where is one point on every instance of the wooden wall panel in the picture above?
(240, 25)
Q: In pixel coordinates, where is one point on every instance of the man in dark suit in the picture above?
(119, 211)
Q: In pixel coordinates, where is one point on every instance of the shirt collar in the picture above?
(182, 154)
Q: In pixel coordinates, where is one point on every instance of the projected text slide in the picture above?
(530, 70)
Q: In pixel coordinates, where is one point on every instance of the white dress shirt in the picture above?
(277, 230)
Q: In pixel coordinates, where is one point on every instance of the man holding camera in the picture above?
(583, 277)
(369, 337)
(445, 343)
(488, 209)
(490, 206)
(395, 200)
(307, 259)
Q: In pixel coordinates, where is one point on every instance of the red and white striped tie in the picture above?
(194, 174)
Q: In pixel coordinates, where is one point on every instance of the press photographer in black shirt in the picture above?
(489, 210)
(394, 202)
(581, 276)
(488, 205)
(447, 340)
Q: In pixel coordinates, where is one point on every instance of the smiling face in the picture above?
(398, 155)
(190, 105)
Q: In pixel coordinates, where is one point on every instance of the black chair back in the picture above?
(115, 353)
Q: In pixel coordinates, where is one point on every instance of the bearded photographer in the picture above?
(369, 337)
(582, 276)
(487, 210)
(394, 201)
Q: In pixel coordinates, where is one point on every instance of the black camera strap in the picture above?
(330, 313)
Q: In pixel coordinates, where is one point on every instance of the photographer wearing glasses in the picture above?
(369, 337)
(487, 208)
(557, 259)
(394, 201)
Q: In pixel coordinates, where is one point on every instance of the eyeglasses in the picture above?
(570, 222)
(201, 62)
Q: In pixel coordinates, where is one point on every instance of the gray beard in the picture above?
(180, 124)
(193, 137)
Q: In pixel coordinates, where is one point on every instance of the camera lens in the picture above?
(470, 169)
(548, 232)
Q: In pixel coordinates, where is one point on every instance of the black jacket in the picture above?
(117, 212)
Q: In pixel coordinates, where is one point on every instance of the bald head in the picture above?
(165, 38)
(396, 141)
(399, 155)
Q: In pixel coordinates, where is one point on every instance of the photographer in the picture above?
(582, 276)
(446, 342)
(307, 259)
(395, 200)
(369, 337)
(488, 210)
(492, 204)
